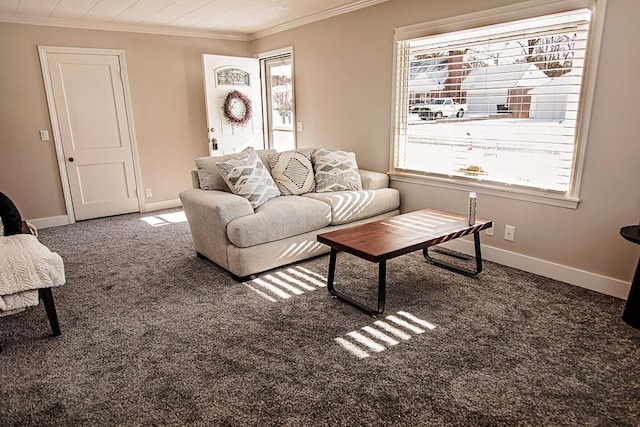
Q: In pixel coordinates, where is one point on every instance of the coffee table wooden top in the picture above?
(398, 235)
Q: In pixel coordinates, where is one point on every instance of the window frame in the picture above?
(524, 10)
(264, 58)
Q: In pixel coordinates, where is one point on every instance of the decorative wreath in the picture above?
(237, 108)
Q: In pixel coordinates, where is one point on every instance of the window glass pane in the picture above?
(281, 96)
(280, 108)
(498, 104)
(283, 140)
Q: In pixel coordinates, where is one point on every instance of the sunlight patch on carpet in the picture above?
(354, 349)
(284, 284)
(165, 219)
(384, 334)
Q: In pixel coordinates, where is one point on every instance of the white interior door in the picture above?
(222, 75)
(91, 115)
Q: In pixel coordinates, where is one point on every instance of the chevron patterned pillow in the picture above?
(248, 177)
(292, 171)
(335, 170)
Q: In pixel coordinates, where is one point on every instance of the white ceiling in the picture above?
(230, 19)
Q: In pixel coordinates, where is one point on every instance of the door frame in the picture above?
(43, 51)
(266, 122)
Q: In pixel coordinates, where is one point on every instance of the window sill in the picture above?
(532, 196)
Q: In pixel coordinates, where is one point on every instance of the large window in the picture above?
(501, 107)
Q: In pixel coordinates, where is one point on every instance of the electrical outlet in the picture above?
(44, 135)
(509, 233)
(148, 192)
(489, 231)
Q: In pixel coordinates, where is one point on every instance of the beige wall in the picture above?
(343, 77)
(165, 77)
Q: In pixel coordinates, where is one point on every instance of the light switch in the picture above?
(44, 135)
(300, 126)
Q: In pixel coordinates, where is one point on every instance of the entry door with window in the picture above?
(233, 103)
(86, 98)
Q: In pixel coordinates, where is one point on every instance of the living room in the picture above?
(170, 124)
(344, 71)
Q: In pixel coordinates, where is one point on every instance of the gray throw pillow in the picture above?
(335, 170)
(247, 176)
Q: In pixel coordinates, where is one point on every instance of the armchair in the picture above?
(28, 269)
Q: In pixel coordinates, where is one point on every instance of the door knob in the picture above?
(71, 159)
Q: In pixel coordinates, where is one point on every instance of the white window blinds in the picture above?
(497, 104)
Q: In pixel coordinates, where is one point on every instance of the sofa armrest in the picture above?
(223, 205)
(195, 179)
(372, 180)
(208, 213)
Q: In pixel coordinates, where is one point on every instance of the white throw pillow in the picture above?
(247, 176)
(293, 171)
(335, 170)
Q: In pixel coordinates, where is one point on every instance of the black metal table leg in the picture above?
(382, 286)
(332, 270)
(382, 273)
(457, 269)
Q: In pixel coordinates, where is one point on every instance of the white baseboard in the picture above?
(55, 221)
(52, 221)
(584, 279)
(165, 204)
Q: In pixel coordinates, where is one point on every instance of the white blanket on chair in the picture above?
(26, 265)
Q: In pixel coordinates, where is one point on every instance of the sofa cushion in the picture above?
(209, 174)
(277, 219)
(293, 171)
(349, 206)
(373, 180)
(247, 176)
(335, 170)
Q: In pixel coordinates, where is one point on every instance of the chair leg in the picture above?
(47, 297)
(49, 305)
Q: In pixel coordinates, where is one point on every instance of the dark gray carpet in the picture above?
(152, 335)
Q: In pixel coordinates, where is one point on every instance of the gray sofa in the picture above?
(229, 232)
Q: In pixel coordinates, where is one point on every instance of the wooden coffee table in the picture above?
(379, 241)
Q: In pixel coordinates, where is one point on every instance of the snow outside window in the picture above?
(496, 106)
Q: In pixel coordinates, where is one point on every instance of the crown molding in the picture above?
(315, 17)
(128, 28)
(184, 32)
